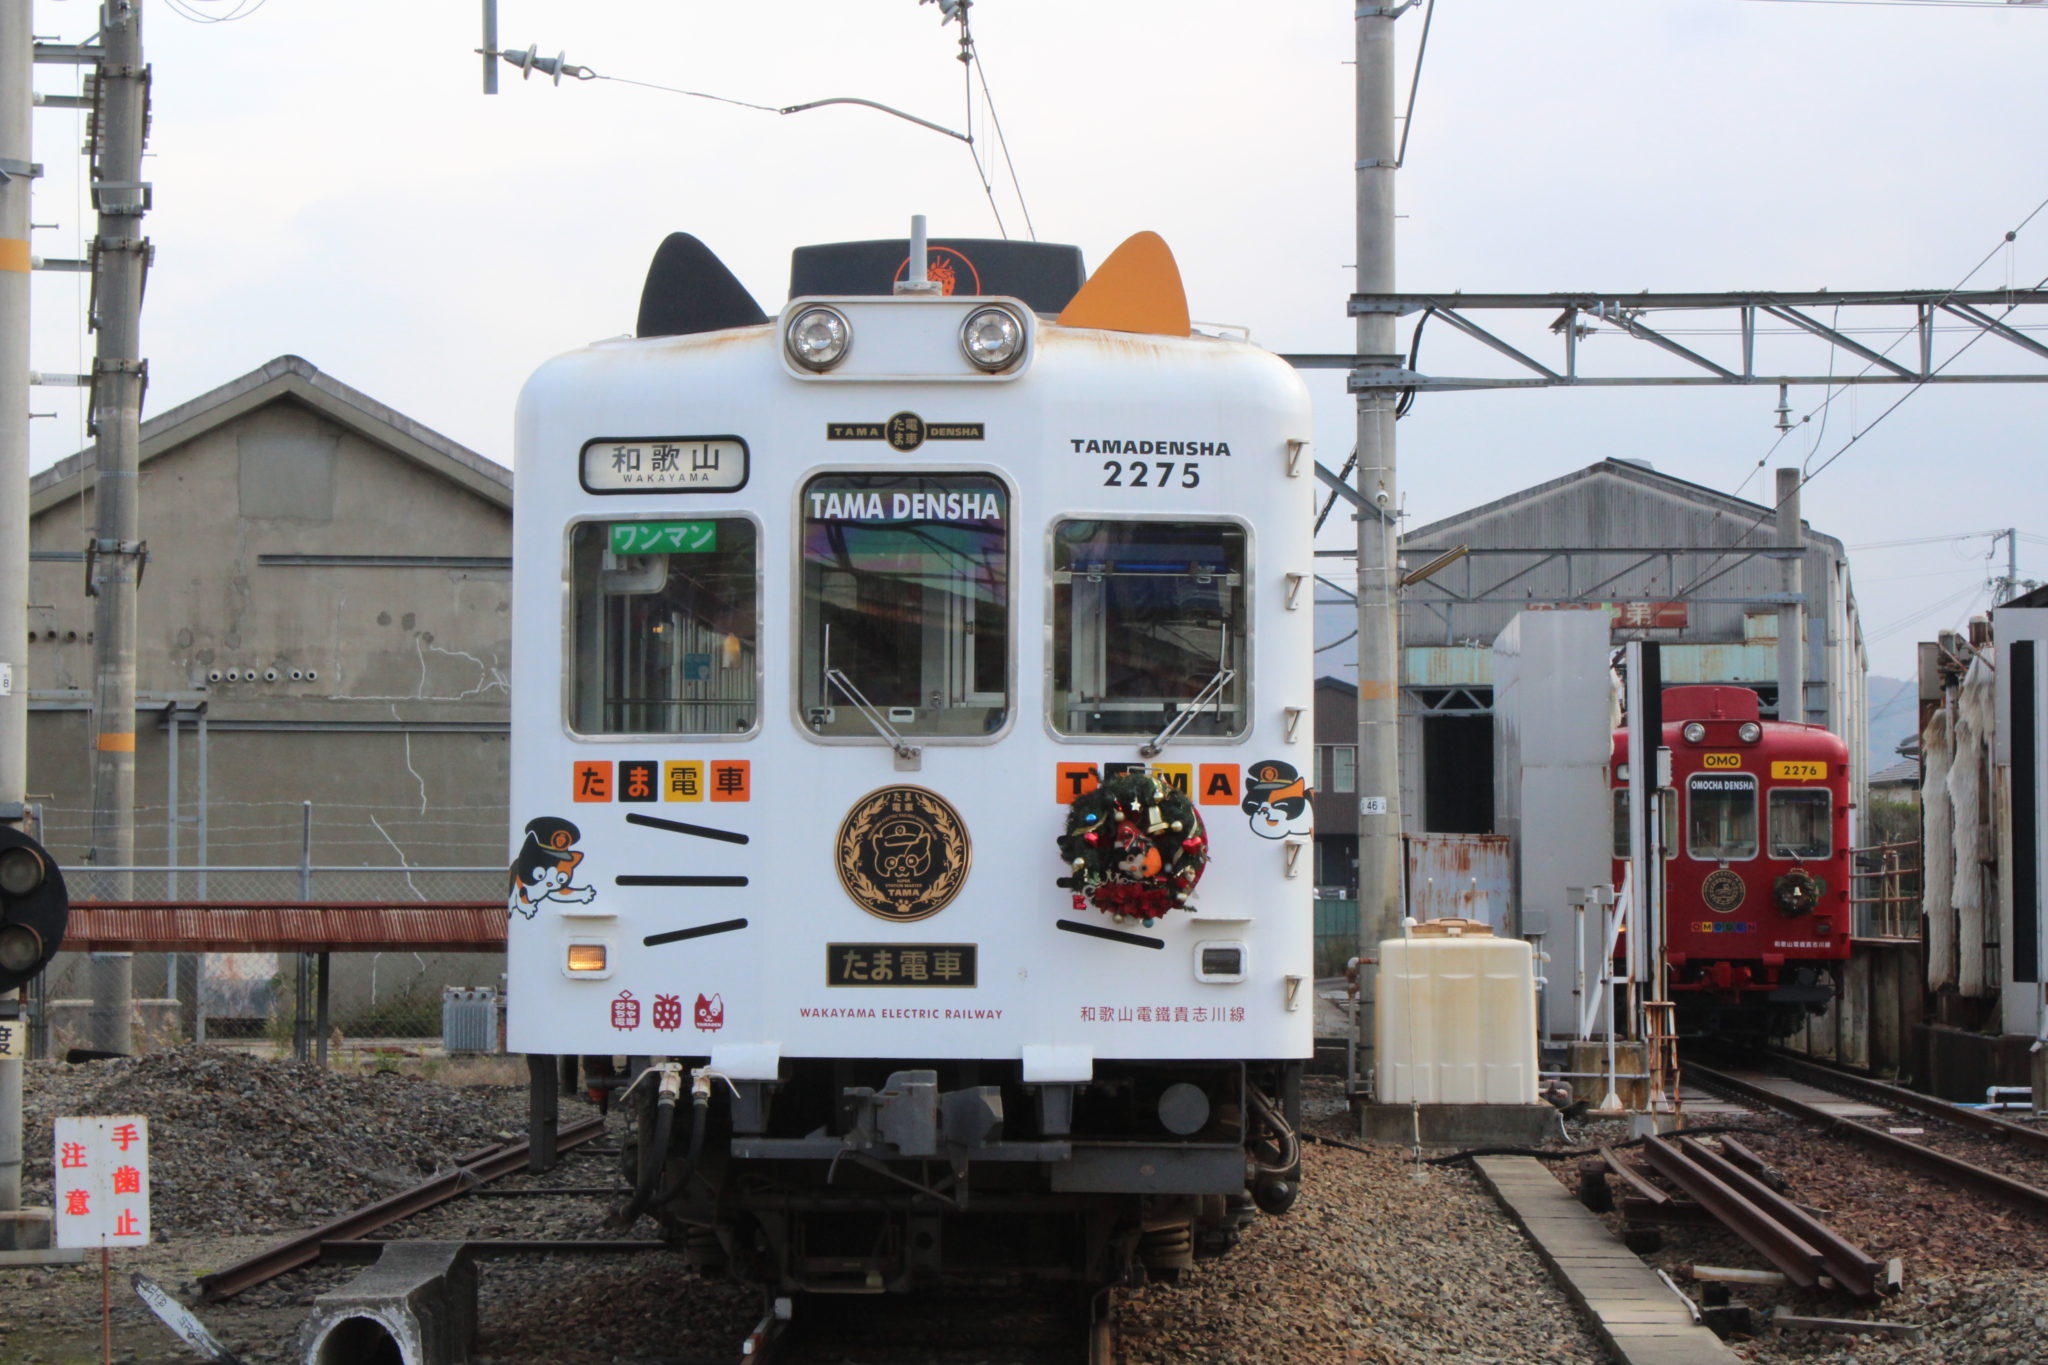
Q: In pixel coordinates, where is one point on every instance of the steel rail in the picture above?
(358, 1250)
(1782, 1246)
(2002, 1189)
(1898, 1097)
(304, 1248)
(1853, 1267)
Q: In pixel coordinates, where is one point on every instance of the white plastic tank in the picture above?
(1456, 1016)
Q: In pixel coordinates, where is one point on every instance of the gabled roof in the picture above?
(289, 378)
(1745, 513)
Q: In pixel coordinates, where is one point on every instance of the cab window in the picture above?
(1149, 623)
(1721, 824)
(1800, 824)
(664, 627)
(1621, 822)
(905, 604)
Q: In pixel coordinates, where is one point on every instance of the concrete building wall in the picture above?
(394, 727)
(1613, 534)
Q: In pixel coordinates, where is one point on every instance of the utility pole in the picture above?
(17, 47)
(120, 260)
(1379, 779)
(1791, 612)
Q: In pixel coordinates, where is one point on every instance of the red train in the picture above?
(1756, 858)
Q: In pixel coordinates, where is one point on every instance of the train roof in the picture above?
(689, 289)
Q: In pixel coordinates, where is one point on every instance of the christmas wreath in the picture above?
(1134, 846)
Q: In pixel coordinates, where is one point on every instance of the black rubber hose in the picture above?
(652, 1158)
(700, 1108)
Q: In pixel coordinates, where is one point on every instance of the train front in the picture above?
(1756, 851)
(911, 741)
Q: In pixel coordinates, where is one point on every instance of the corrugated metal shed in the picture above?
(242, 927)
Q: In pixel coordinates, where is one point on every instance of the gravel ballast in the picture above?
(1379, 1262)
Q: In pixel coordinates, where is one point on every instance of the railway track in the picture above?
(2022, 1195)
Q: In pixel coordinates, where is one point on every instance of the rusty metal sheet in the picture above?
(1465, 875)
(265, 926)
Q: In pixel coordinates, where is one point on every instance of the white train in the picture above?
(911, 735)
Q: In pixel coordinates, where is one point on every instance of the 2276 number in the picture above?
(1138, 474)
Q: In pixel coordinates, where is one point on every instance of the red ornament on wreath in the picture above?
(1134, 848)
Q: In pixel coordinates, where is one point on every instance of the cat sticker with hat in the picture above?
(1276, 799)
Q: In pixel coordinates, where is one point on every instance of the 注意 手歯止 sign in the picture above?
(100, 1185)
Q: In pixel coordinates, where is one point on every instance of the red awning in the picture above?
(295, 927)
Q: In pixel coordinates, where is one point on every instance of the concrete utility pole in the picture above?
(16, 84)
(1791, 613)
(1379, 779)
(120, 259)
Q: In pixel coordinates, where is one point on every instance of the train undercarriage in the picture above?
(888, 1176)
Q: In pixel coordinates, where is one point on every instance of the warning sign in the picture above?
(100, 1181)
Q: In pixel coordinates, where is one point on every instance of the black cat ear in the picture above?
(689, 290)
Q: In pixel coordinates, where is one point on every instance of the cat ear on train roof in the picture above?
(1138, 289)
(689, 290)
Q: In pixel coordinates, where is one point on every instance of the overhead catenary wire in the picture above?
(1807, 475)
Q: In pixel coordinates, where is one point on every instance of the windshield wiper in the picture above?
(871, 714)
(1212, 691)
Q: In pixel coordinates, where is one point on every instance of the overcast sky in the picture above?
(329, 181)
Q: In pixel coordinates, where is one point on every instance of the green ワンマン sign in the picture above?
(663, 537)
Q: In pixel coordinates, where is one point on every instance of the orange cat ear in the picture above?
(1137, 289)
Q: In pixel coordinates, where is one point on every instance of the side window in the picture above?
(1621, 830)
(1149, 619)
(1800, 827)
(1721, 826)
(905, 604)
(664, 622)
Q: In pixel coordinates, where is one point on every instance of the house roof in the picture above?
(289, 378)
(1905, 773)
(1753, 516)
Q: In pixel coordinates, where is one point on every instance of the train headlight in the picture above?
(818, 338)
(1694, 732)
(1750, 732)
(991, 337)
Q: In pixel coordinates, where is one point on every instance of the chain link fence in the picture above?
(378, 1004)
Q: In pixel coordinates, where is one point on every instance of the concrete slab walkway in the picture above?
(1631, 1309)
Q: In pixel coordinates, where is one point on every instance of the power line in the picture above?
(1807, 476)
(996, 120)
(1923, 540)
(1905, 4)
(242, 10)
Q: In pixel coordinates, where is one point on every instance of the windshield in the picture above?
(1146, 614)
(906, 593)
(664, 626)
(1800, 827)
(1721, 826)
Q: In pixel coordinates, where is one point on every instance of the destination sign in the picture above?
(671, 464)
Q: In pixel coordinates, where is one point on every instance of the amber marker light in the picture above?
(586, 957)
